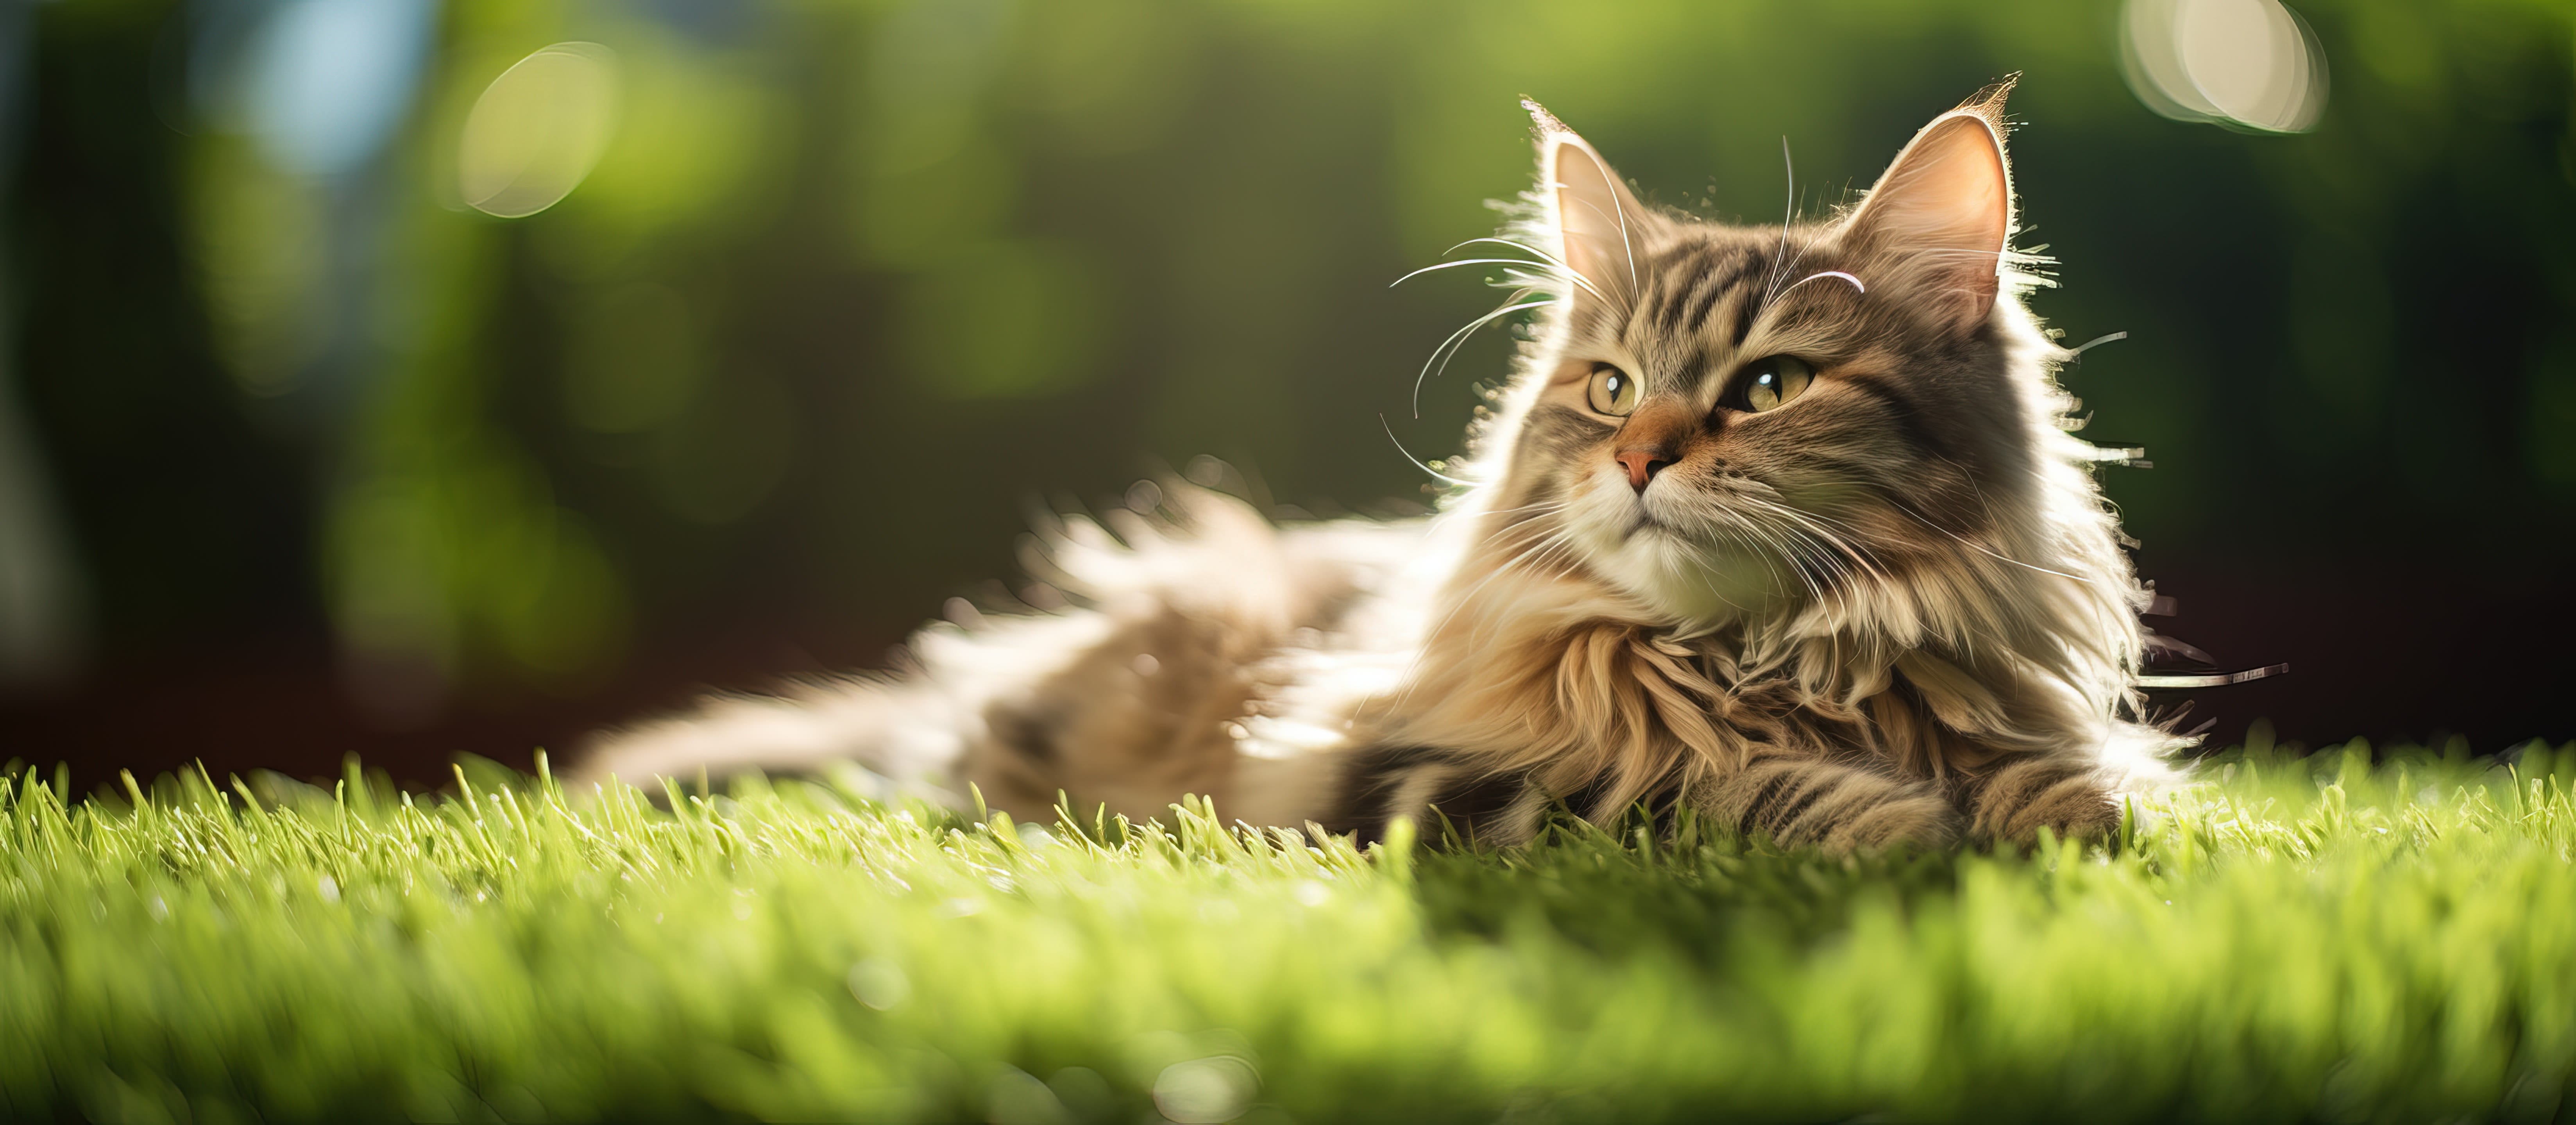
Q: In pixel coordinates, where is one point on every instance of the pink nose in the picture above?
(1642, 465)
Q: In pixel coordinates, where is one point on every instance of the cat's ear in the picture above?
(1938, 220)
(1597, 222)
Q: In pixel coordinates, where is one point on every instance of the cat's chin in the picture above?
(1693, 586)
(1682, 579)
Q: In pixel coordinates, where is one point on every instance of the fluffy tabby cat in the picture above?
(1782, 525)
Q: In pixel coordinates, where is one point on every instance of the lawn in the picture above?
(2322, 938)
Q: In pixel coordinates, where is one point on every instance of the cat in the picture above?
(1784, 526)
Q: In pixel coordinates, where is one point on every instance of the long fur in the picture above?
(1897, 613)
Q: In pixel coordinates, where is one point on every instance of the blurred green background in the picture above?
(300, 454)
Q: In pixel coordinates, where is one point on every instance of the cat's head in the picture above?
(1722, 422)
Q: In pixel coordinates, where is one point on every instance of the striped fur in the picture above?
(1891, 611)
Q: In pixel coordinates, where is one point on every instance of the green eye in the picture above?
(1770, 383)
(1614, 392)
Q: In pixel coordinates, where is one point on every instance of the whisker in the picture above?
(1785, 552)
(1471, 262)
(1542, 508)
(1458, 338)
(1559, 263)
(2077, 352)
(1980, 548)
(1812, 557)
(1825, 528)
(1417, 462)
(1709, 566)
(1788, 211)
(1620, 217)
(1855, 282)
(1513, 527)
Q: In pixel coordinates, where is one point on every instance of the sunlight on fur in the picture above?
(1784, 525)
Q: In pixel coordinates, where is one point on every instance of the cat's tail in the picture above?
(1132, 691)
(887, 736)
(914, 731)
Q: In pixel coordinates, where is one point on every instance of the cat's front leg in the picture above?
(1450, 796)
(2015, 797)
(1803, 799)
(1796, 798)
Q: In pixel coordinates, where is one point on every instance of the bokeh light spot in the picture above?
(2253, 64)
(331, 79)
(1206, 1090)
(537, 130)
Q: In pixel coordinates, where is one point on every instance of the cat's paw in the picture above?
(2068, 798)
(1919, 819)
(1835, 808)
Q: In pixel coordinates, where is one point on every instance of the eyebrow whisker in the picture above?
(1788, 211)
(1448, 348)
(1855, 282)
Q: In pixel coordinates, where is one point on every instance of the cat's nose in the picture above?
(1643, 464)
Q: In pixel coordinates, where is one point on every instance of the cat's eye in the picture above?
(1770, 383)
(1614, 392)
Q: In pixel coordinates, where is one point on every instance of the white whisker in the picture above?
(1855, 282)
(1449, 347)
(1980, 548)
(1471, 262)
(1408, 454)
(2077, 352)
(1788, 211)
(1562, 269)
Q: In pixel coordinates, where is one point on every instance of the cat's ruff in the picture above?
(1783, 525)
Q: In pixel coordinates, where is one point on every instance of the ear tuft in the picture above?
(1542, 123)
(1988, 103)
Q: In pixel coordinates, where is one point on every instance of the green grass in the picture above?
(2290, 939)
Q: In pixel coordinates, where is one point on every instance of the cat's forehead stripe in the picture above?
(1722, 275)
(1695, 287)
(1748, 305)
(1689, 278)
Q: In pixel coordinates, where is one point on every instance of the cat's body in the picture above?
(1782, 525)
